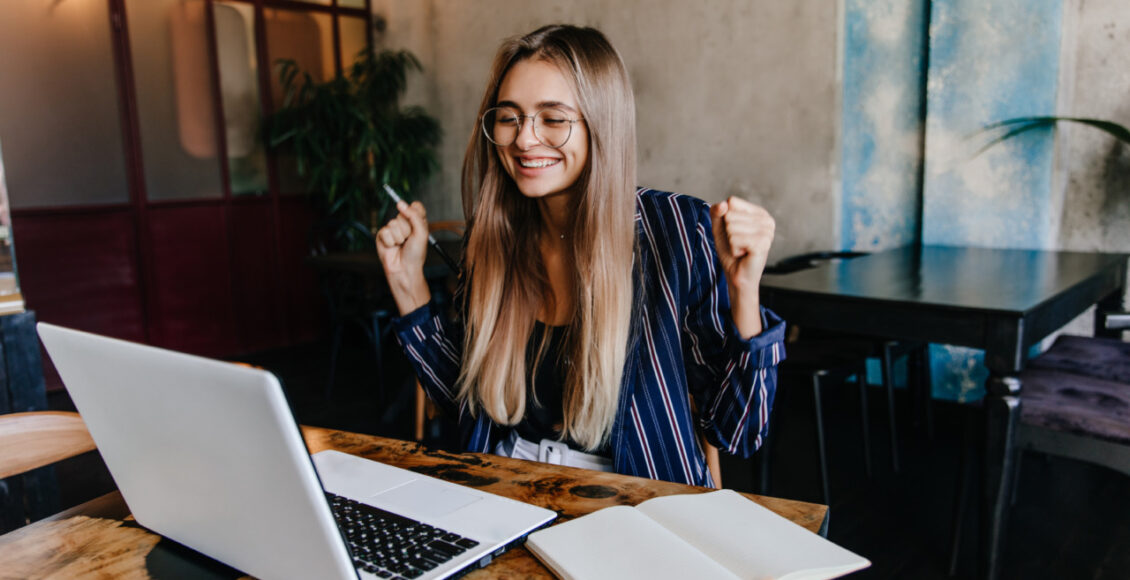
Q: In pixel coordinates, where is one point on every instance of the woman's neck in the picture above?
(557, 216)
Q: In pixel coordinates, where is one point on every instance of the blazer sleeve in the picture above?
(732, 380)
(433, 344)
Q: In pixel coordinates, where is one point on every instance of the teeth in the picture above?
(537, 163)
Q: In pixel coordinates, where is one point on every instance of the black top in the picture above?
(545, 387)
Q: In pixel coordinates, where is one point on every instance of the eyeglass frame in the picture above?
(521, 120)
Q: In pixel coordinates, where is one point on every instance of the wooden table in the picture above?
(100, 539)
(999, 301)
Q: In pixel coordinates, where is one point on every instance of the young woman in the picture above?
(601, 326)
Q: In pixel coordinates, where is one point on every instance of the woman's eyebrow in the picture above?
(541, 105)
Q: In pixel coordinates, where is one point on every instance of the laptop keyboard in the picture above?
(393, 546)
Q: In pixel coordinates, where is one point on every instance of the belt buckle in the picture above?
(553, 452)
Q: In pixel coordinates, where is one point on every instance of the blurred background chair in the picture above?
(1075, 403)
(818, 358)
(818, 363)
(1076, 399)
(355, 293)
(32, 441)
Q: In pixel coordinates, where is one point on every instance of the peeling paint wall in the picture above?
(883, 117)
(989, 60)
(1093, 168)
(1092, 175)
(733, 97)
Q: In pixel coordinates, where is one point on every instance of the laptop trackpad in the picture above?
(424, 499)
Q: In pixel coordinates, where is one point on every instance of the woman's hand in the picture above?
(402, 245)
(743, 233)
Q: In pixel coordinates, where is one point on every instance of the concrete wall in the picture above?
(733, 97)
(1092, 172)
(1093, 168)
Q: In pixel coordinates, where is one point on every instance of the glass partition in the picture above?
(59, 115)
(175, 99)
(354, 39)
(239, 93)
(307, 39)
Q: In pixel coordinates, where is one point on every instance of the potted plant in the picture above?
(350, 136)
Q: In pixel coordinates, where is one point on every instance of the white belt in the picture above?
(550, 451)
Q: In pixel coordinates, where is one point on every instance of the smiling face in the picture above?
(539, 170)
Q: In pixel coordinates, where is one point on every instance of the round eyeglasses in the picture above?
(552, 126)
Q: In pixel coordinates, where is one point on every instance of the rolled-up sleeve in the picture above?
(732, 379)
(433, 345)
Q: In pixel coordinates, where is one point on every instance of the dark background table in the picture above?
(999, 301)
(356, 293)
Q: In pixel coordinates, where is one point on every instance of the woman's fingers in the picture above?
(743, 233)
(395, 232)
(748, 223)
(411, 220)
(402, 245)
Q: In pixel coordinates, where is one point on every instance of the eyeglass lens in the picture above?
(552, 126)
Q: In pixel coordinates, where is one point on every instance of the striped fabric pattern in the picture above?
(684, 347)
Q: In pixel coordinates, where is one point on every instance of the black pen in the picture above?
(431, 239)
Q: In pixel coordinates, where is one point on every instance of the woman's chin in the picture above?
(539, 191)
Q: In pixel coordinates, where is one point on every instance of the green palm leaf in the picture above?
(1019, 125)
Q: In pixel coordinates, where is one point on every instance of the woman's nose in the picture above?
(526, 138)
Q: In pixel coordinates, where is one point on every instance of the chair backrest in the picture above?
(809, 260)
(456, 227)
(32, 440)
(713, 460)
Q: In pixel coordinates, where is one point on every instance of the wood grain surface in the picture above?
(100, 540)
(37, 438)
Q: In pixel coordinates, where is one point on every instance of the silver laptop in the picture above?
(208, 454)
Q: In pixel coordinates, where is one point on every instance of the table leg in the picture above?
(1002, 411)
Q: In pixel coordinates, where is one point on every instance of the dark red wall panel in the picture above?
(191, 285)
(219, 285)
(80, 270)
(257, 292)
(304, 305)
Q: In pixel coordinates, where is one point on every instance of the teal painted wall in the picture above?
(883, 120)
(986, 61)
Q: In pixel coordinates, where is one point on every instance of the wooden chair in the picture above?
(29, 441)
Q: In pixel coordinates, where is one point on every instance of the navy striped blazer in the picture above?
(683, 346)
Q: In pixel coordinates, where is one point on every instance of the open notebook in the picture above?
(712, 535)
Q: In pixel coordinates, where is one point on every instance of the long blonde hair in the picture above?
(506, 282)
